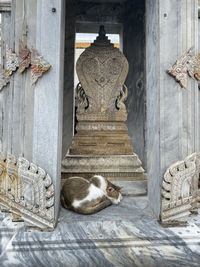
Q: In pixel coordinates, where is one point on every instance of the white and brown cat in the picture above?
(89, 196)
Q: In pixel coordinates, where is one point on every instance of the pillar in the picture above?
(172, 112)
(47, 130)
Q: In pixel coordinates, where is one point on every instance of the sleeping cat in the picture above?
(89, 196)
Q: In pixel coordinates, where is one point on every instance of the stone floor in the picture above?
(124, 235)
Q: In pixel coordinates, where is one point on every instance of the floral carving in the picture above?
(189, 64)
(81, 98)
(38, 66)
(11, 61)
(180, 192)
(121, 98)
(197, 68)
(179, 70)
(4, 79)
(102, 70)
(24, 57)
(26, 191)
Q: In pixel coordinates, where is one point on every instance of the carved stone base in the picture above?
(113, 167)
(180, 191)
(101, 138)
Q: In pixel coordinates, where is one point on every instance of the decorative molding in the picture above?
(12, 62)
(180, 191)
(122, 98)
(197, 67)
(82, 101)
(4, 79)
(191, 62)
(38, 66)
(26, 191)
(5, 6)
(179, 70)
(187, 64)
(24, 57)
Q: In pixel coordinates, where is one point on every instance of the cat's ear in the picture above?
(110, 189)
(119, 188)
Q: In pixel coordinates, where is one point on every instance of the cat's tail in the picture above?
(91, 210)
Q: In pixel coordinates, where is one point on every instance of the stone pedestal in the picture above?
(101, 144)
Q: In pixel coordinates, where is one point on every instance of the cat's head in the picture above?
(113, 192)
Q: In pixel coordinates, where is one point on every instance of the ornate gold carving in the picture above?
(27, 191)
(180, 192)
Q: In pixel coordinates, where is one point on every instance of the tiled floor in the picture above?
(124, 235)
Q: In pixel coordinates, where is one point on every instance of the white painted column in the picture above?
(47, 132)
(172, 112)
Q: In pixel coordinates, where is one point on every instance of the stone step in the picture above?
(100, 149)
(133, 188)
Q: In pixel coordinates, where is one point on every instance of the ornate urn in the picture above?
(101, 144)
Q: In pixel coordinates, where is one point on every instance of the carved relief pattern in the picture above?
(26, 189)
(197, 68)
(38, 66)
(81, 98)
(4, 79)
(180, 188)
(189, 64)
(179, 70)
(101, 112)
(24, 57)
(121, 98)
(102, 70)
(11, 61)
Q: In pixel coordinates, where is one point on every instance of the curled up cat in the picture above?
(88, 196)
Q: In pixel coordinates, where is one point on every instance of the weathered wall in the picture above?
(134, 50)
(31, 116)
(68, 96)
(18, 97)
(172, 112)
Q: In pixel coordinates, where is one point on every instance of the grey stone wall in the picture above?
(31, 116)
(17, 98)
(68, 96)
(172, 112)
(134, 50)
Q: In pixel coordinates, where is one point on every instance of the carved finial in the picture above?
(102, 32)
